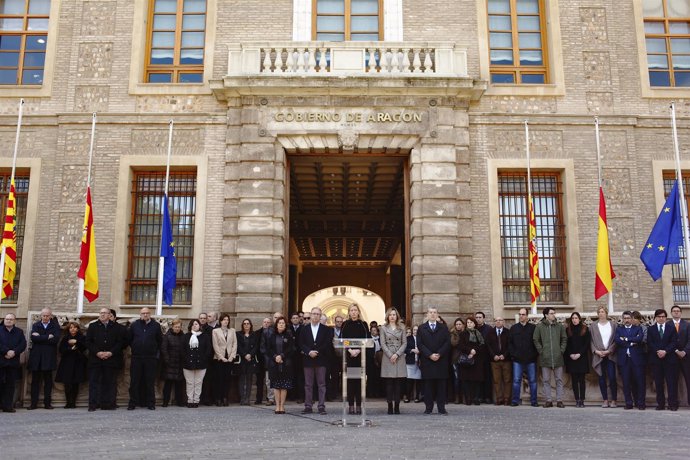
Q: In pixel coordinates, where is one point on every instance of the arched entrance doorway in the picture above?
(349, 225)
(335, 300)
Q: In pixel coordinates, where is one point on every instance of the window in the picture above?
(512, 201)
(175, 45)
(517, 41)
(667, 39)
(145, 234)
(341, 20)
(21, 188)
(23, 39)
(679, 280)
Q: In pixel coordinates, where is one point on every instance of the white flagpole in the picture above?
(14, 167)
(529, 201)
(161, 261)
(80, 294)
(596, 130)
(683, 207)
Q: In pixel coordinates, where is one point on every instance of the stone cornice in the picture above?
(312, 85)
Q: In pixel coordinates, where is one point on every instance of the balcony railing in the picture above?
(348, 59)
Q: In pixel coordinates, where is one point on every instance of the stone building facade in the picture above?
(270, 96)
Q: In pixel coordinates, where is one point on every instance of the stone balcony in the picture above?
(342, 68)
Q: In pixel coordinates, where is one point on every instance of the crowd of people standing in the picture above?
(467, 362)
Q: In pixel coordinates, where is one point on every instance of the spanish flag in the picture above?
(88, 271)
(533, 256)
(9, 243)
(603, 282)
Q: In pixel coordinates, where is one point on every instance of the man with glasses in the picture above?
(487, 385)
(630, 361)
(662, 342)
(524, 357)
(315, 342)
(145, 337)
(550, 340)
(12, 344)
(683, 329)
(45, 335)
(105, 342)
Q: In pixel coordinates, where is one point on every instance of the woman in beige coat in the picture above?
(603, 332)
(393, 368)
(224, 351)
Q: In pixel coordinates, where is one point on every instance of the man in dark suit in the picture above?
(501, 368)
(12, 344)
(488, 384)
(105, 341)
(433, 341)
(296, 392)
(145, 337)
(683, 330)
(45, 335)
(631, 361)
(335, 365)
(662, 344)
(315, 343)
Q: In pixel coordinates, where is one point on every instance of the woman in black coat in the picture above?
(280, 348)
(354, 328)
(247, 349)
(198, 350)
(577, 356)
(172, 352)
(472, 344)
(72, 368)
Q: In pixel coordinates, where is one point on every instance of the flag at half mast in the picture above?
(534, 283)
(88, 270)
(168, 255)
(9, 243)
(603, 282)
(666, 238)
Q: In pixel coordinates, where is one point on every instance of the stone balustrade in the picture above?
(348, 58)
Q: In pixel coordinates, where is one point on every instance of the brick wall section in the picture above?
(92, 70)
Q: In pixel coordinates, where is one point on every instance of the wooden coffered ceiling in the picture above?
(347, 212)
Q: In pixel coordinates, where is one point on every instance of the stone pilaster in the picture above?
(254, 223)
(441, 229)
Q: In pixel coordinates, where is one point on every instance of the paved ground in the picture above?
(255, 432)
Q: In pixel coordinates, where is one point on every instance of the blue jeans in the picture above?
(608, 369)
(518, 370)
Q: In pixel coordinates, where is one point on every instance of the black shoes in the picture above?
(560, 404)
(131, 407)
(322, 411)
(390, 408)
(548, 404)
(307, 410)
(396, 408)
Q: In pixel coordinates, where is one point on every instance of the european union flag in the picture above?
(168, 253)
(666, 238)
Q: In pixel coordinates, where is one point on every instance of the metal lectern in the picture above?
(354, 373)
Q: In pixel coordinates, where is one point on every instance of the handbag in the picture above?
(464, 360)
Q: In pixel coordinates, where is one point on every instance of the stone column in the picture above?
(441, 225)
(254, 223)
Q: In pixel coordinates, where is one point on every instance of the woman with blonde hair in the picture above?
(354, 328)
(393, 368)
(603, 355)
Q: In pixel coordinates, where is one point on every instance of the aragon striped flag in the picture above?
(9, 243)
(88, 270)
(534, 283)
(603, 282)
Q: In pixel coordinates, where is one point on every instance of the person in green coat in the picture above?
(550, 340)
